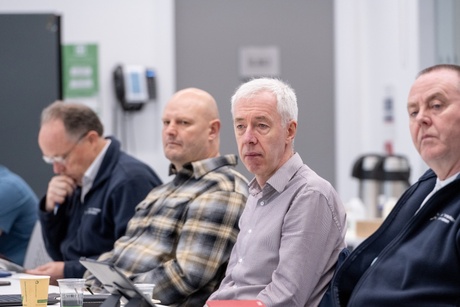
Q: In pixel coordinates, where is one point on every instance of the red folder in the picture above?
(235, 303)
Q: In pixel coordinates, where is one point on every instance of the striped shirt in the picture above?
(292, 231)
(181, 235)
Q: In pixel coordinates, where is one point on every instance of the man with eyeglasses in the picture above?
(94, 192)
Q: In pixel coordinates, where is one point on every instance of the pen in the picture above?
(89, 290)
(56, 207)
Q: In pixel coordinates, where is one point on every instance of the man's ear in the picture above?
(291, 130)
(214, 128)
(92, 136)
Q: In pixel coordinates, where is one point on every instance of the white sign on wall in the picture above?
(259, 61)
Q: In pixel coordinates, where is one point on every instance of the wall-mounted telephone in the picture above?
(134, 86)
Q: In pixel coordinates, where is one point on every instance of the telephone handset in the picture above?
(134, 86)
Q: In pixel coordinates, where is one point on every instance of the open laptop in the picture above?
(117, 284)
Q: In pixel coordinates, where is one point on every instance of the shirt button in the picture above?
(240, 260)
(262, 203)
(250, 231)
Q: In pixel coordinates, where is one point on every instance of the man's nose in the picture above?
(423, 117)
(170, 129)
(250, 136)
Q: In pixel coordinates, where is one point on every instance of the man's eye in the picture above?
(412, 111)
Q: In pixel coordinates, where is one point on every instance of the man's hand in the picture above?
(55, 270)
(59, 188)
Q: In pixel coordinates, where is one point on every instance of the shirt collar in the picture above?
(200, 168)
(442, 183)
(281, 177)
(93, 169)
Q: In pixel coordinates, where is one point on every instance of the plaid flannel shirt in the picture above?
(182, 234)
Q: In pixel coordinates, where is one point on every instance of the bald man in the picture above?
(182, 234)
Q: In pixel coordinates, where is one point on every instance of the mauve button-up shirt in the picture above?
(291, 232)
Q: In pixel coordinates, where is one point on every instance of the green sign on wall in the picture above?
(80, 70)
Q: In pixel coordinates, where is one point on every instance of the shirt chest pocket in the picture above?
(167, 219)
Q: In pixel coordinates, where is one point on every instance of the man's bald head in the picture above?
(191, 127)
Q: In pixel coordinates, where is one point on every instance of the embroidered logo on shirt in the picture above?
(92, 211)
(443, 217)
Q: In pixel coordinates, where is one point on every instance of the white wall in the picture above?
(377, 46)
(127, 32)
